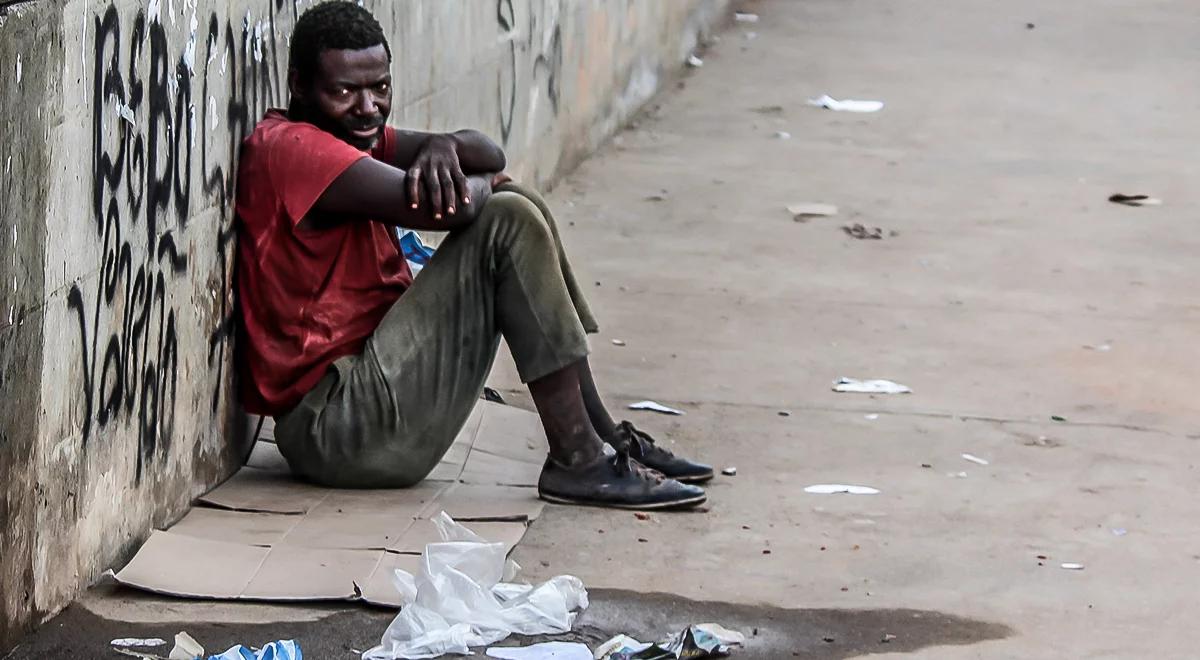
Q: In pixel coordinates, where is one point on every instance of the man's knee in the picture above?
(515, 212)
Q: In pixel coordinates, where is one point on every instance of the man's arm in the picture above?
(442, 162)
(373, 190)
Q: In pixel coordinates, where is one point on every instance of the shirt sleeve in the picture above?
(302, 161)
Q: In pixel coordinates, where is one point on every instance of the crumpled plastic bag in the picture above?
(458, 600)
(701, 640)
(281, 650)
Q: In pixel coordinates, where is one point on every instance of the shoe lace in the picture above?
(647, 444)
(626, 464)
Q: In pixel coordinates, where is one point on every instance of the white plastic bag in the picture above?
(457, 600)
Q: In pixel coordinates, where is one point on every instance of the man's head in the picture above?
(339, 72)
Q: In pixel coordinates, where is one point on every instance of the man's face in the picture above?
(350, 95)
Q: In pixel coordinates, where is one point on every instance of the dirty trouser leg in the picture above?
(384, 418)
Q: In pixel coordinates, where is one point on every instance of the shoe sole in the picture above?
(695, 479)
(673, 504)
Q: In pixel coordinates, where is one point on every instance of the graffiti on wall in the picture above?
(163, 148)
(535, 39)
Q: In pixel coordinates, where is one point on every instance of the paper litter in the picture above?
(869, 386)
(745, 17)
(975, 459)
(831, 489)
(655, 407)
(415, 251)
(694, 62)
(801, 212)
(457, 600)
(543, 651)
(186, 648)
(1072, 566)
(133, 641)
(702, 640)
(848, 105)
(729, 471)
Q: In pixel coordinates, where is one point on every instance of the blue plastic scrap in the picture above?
(282, 650)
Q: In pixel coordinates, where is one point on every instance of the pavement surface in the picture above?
(1041, 327)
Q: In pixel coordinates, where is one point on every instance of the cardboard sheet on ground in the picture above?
(262, 535)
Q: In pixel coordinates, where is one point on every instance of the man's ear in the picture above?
(295, 88)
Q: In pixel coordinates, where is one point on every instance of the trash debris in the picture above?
(784, 413)
(1058, 418)
(957, 475)
(869, 386)
(974, 459)
(872, 416)
(768, 109)
(457, 600)
(729, 471)
(133, 641)
(1134, 200)
(282, 650)
(694, 62)
(641, 515)
(186, 648)
(887, 638)
(803, 211)
(1072, 566)
(618, 342)
(1119, 531)
(704, 640)
(745, 17)
(862, 232)
(654, 198)
(1029, 26)
(847, 105)
(543, 651)
(416, 253)
(783, 135)
(832, 489)
(1103, 348)
(656, 407)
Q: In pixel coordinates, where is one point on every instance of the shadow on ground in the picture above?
(773, 632)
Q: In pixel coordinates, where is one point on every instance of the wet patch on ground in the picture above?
(773, 632)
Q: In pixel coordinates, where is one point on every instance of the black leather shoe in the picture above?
(641, 448)
(615, 481)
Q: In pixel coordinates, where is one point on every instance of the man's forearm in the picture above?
(477, 153)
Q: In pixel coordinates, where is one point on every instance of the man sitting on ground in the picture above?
(369, 374)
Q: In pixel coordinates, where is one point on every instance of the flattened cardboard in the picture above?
(293, 573)
(378, 588)
(470, 502)
(244, 527)
(198, 568)
(271, 537)
(266, 491)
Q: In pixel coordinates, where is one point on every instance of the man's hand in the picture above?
(445, 183)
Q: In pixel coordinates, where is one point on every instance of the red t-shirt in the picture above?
(307, 297)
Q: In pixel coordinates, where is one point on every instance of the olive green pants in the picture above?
(384, 418)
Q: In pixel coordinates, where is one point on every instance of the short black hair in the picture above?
(332, 25)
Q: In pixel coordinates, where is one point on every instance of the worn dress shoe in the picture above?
(615, 480)
(641, 448)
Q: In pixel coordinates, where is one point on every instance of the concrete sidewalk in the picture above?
(992, 161)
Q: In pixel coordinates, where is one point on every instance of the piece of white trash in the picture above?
(729, 471)
(134, 641)
(655, 407)
(543, 651)
(783, 135)
(694, 61)
(803, 210)
(186, 648)
(1119, 531)
(846, 105)
(870, 386)
(457, 600)
(618, 342)
(745, 17)
(975, 459)
(872, 416)
(1072, 567)
(831, 489)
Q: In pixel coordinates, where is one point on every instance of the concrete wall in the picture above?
(120, 122)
